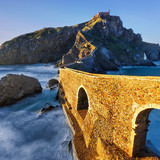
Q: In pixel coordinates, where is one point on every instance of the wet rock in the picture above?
(70, 146)
(17, 87)
(58, 63)
(146, 63)
(104, 60)
(57, 96)
(48, 108)
(151, 50)
(52, 83)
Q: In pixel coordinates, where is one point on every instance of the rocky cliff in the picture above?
(46, 45)
(104, 41)
(113, 45)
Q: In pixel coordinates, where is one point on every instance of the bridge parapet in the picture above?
(114, 109)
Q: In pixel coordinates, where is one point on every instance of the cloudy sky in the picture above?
(23, 16)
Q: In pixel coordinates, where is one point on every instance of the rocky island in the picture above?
(99, 44)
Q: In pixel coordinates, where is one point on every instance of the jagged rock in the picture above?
(48, 108)
(123, 45)
(81, 48)
(52, 83)
(145, 63)
(57, 96)
(152, 51)
(17, 87)
(105, 60)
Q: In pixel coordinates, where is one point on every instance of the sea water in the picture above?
(24, 135)
(153, 135)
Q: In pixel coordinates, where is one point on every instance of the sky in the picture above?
(23, 16)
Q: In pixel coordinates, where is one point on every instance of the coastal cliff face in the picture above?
(124, 44)
(75, 42)
(81, 48)
(113, 45)
(46, 45)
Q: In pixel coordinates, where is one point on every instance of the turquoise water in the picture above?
(24, 136)
(137, 71)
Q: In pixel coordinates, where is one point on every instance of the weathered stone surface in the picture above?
(51, 83)
(16, 87)
(81, 48)
(152, 51)
(105, 60)
(114, 125)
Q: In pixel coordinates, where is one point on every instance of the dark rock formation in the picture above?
(105, 60)
(152, 51)
(144, 63)
(16, 87)
(48, 108)
(51, 83)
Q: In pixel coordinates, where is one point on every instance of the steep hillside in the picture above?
(46, 45)
(124, 44)
(115, 46)
(81, 48)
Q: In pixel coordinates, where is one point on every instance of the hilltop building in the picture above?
(103, 14)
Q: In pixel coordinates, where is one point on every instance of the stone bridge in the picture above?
(109, 111)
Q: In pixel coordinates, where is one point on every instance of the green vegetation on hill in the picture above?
(90, 24)
(119, 46)
(41, 33)
(37, 34)
(50, 44)
(122, 49)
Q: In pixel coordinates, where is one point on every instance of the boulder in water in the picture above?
(16, 87)
(52, 83)
(48, 108)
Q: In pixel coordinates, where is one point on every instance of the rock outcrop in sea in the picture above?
(99, 44)
(52, 83)
(16, 87)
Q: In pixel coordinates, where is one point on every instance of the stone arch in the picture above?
(83, 101)
(140, 111)
(141, 129)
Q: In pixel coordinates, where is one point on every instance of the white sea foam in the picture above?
(25, 136)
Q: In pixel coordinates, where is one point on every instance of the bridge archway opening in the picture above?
(83, 103)
(141, 129)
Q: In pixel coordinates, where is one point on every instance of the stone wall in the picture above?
(118, 108)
